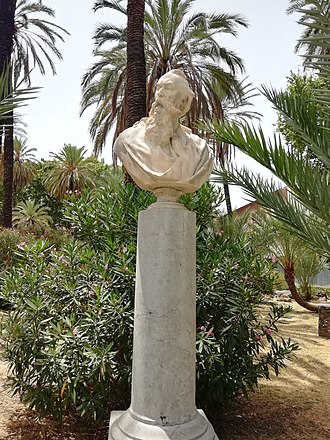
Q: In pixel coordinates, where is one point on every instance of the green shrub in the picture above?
(10, 240)
(280, 282)
(69, 341)
(37, 191)
(323, 290)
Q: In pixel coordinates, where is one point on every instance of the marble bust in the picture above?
(159, 153)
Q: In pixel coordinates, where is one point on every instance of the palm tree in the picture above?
(10, 100)
(33, 39)
(31, 216)
(308, 9)
(306, 212)
(309, 265)
(172, 40)
(291, 254)
(24, 164)
(70, 172)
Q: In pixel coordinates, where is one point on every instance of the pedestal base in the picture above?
(125, 426)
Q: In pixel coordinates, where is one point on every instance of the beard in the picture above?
(159, 128)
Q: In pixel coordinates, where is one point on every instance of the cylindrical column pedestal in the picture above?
(163, 383)
(163, 387)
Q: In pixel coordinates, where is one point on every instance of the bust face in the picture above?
(175, 90)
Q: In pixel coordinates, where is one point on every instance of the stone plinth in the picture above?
(324, 321)
(163, 382)
(198, 428)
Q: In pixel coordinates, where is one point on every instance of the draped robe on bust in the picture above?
(184, 163)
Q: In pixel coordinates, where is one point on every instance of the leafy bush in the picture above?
(69, 341)
(320, 290)
(280, 282)
(10, 240)
(37, 191)
(241, 231)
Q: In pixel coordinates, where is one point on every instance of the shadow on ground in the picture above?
(295, 405)
(27, 425)
(259, 419)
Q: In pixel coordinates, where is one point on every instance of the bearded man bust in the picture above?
(158, 152)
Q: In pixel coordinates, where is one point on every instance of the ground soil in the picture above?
(296, 405)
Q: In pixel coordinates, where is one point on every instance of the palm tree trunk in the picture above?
(290, 279)
(227, 198)
(7, 26)
(14, 198)
(136, 87)
(222, 155)
(8, 167)
(8, 163)
(136, 65)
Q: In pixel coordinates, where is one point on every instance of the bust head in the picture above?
(173, 93)
(160, 154)
(172, 100)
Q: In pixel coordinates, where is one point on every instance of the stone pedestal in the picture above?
(324, 321)
(163, 382)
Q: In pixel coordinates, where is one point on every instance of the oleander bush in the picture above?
(10, 240)
(69, 340)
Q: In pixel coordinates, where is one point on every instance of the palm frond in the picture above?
(111, 4)
(12, 99)
(35, 39)
(309, 182)
(311, 229)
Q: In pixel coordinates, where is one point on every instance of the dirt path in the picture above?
(294, 406)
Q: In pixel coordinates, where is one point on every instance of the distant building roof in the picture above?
(254, 205)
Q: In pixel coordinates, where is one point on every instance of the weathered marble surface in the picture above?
(197, 429)
(159, 152)
(164, 348)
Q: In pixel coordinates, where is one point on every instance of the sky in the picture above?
(267, 47)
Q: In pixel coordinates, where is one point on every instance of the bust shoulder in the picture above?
(199, 142)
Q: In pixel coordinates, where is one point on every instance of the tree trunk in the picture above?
(227, 198)
(7, 27)
(136, 88)
(290, 279)
(8, 163)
